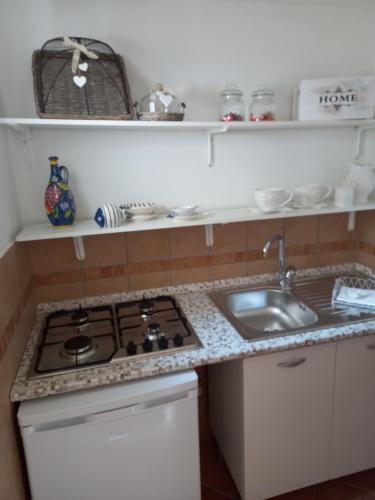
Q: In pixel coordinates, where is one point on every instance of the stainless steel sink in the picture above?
(266, 312)
(269, 310)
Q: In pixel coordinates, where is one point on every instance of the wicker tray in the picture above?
(105, 94)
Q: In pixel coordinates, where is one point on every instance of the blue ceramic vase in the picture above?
(58, 200)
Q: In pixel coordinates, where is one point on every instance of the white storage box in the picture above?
(336, 98)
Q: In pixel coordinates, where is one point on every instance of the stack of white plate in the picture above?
(140, 210)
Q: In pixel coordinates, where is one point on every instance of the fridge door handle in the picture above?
(114, 414)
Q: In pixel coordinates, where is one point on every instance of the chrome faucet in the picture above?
(286, 276)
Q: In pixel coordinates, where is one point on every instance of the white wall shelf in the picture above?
(81, 228)
(40, 123)
(25, 125)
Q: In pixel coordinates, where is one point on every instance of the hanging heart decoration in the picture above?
(80, 81)
(83, 66)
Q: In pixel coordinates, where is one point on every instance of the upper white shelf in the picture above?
(186, 126)
(45, 231)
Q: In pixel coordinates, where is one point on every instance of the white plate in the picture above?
(142, 217)
(185, 217)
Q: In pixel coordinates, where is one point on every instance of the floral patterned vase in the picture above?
(58, 201)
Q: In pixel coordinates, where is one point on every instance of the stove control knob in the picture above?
(147, 345)
(131, 348)
(178, 340)
(163, 342)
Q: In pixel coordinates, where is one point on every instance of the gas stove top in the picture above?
(86, 337)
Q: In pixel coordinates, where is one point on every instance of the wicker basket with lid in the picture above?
(82, 78)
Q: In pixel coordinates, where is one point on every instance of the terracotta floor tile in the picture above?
(214, 474)
(338, 490)
(364, 480)
(209, 494)
(302, 494)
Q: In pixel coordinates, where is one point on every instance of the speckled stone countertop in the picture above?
(220, 340)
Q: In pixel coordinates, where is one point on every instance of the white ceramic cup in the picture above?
(272, 199)
(310, 194)
(344, 196)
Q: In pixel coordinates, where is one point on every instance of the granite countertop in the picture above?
(219, 339)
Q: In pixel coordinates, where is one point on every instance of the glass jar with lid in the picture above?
(232, 104)
(263, 105)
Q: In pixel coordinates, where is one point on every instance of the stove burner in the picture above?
(76, 346)
(80, 320)
(147, 308)
(154, 328)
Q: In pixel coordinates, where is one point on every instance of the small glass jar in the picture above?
(263, 105)
(232, 104)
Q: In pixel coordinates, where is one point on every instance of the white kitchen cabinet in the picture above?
(272, 416)
(353, 436)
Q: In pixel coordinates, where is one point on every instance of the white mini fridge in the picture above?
(131, 441)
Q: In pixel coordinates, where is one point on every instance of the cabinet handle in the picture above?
(293, 363)
(371, 346)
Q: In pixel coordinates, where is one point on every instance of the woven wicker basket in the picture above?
(105, 95)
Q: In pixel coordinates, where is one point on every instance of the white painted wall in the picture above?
(195, 47)
(9, 206)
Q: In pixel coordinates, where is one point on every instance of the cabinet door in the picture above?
(288, 416)
(353, 442)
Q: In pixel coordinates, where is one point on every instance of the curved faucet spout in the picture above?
(285, 276)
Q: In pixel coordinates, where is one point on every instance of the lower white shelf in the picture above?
(81, 228)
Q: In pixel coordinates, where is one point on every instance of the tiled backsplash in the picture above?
(365, 235)
(17, 312)
(131, 261)
(140, 260)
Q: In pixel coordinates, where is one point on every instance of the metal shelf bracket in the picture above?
(27, 143)
(211, 143)
(79, 248)
(209, 235)
(351, 221)
(359, 139)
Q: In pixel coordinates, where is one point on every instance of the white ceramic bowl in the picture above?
(183, 210)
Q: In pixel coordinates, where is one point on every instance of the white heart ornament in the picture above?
(80, 81)
(83, 66)
(165, 98)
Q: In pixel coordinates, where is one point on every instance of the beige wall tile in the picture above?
(365, 258)
(229, 238)
(105, 250)
(9, 288)
(260, 231)
(264, 266)
(148, 245)
(53, 255)
(365, 226)
(334, 227)
(188, 242)
(301, 230)
(228, 271)
(195, 275)
(106, 286)
(62, 291)
(23, 265)
(12, 479)
(332, 258)
(303, 261)
(149, 280)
